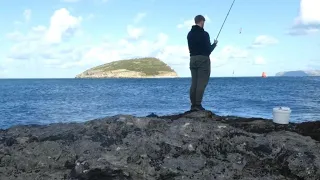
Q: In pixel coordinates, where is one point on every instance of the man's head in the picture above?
(199, 20)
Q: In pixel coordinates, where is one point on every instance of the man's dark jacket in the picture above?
(199, 42)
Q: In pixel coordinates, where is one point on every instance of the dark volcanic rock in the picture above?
(196, 145)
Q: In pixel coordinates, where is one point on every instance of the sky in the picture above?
(62, 38)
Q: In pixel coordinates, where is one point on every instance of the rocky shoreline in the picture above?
(197, 145)
(123, 74)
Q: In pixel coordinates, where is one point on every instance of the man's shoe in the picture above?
(197, 108)
(193, 108)
(200, 108)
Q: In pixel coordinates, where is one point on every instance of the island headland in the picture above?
(299, 73)
(131, 68)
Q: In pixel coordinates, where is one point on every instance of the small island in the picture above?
(299, 73)
(148, 67)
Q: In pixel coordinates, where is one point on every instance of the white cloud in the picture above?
(134, 32)
(27, 15)
(228, 54)
(208, 20)
(15, 36)
(39, 28)
(39, 41)
(139, 17)
(303, 30)
(308, 21)
(264, 40)
(232, 52)
(309, 12)
(36, 34)
(174, 55)
(177, 56)
(45, 47)
(259, 61)
(61, 24)
(122, 49)
(41, 45)
(188, 23)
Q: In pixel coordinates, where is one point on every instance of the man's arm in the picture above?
(210, 47)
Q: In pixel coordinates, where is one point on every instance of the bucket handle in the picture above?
(281, 108)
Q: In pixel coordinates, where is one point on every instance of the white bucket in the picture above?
(281, 115)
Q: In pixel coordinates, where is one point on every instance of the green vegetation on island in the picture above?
(149, 66)
(130, 68)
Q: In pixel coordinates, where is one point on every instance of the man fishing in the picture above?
(200, 49)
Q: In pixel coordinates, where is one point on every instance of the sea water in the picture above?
(44, 101)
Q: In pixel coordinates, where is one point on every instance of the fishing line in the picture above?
(221, 29)
(225, 19)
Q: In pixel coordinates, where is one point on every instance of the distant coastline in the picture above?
(298, 73)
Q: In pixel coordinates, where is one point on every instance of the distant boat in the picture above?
(264, 75)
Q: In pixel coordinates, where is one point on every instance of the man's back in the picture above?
(200, 49)
(199, 41)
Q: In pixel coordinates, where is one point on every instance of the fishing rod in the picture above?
(225, 19)
(221, 29)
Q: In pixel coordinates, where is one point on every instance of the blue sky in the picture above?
(61, 38)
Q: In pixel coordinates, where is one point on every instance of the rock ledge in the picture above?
(197, 145)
